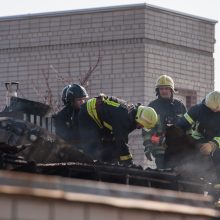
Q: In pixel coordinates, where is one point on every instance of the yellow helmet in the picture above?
(212, 100)
(165, 81)
(146, 116)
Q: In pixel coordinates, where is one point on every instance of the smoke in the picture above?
(183, 154)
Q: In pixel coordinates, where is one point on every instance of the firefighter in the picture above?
(105, 123)
(169, 110)
(66, 120)
(204, 119)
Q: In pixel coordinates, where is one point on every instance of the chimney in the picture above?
(12, 91)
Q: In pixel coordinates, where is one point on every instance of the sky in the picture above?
(203, 8)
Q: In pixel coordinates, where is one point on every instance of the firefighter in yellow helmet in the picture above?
(204, 118)
(169, 110)
(164, 81)
(105, 123)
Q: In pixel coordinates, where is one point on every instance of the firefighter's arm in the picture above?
(158, 139)
(152, 138)
(155, 136)
(63, 124)
(187, 121)
(216, 140)
(147, 143)
(146, 135)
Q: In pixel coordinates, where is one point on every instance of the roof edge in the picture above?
(74, 11)
(103, 9)
(171, 11)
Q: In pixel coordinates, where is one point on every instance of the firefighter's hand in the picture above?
(157, 139)
(207, 148)
(148, 153)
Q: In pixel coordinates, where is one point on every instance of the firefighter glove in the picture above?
(157, 139)
(208, 148)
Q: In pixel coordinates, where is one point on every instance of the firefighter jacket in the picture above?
(66, 124)
(204, 122)
(114, 117)
(169, 111)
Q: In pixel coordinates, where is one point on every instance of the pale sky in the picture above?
(203, 8)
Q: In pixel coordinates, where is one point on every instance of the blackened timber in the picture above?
(118, 174)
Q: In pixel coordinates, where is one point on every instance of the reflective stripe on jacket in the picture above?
(91, 108)
(115, 115)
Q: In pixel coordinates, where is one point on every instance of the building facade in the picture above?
(131, 45)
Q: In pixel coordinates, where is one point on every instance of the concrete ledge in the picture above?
(22, 185)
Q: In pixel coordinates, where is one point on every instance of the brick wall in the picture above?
(181, 47)
(136, 44)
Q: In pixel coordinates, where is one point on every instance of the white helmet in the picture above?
(212, 101)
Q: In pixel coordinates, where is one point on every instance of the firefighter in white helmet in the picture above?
(169, 110)
(204, 119)
(105, 123)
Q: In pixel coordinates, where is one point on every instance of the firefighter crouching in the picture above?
(169, 110)
(105, 123)
(66, 120)
(204, 119)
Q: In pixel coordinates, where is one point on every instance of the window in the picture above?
(188, 97)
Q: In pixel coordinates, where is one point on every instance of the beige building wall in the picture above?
(37, 197)
(181, 46)
(135, 43)
(31, 208)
